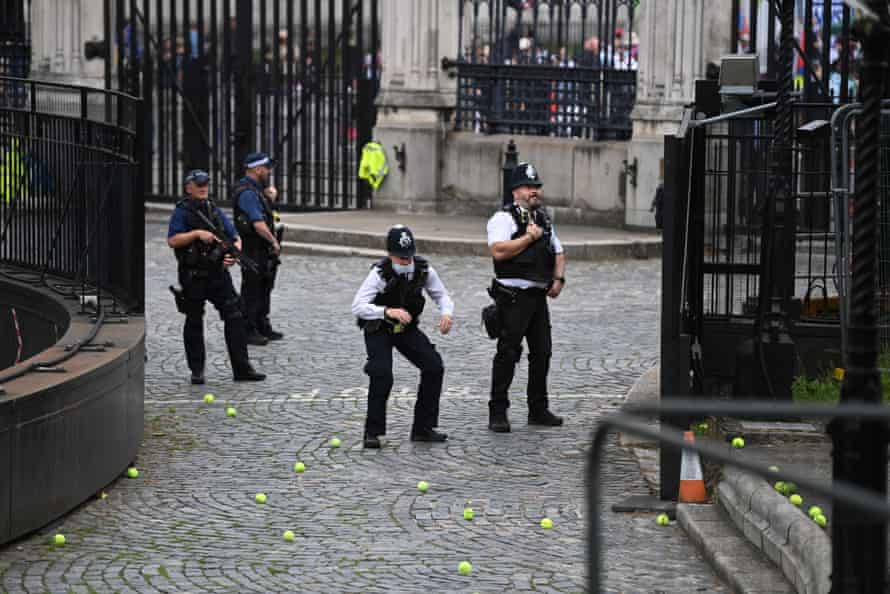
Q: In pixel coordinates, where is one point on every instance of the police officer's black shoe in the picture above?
(257, 339)
(197, 378)
(430, 435)
(250, 375)
(273, 334)
(372, 442)
(499, 423)
(544, 417)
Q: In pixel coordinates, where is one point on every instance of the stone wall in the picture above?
(582, 179)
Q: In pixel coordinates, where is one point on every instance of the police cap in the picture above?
(257, 160)
(400, 241)
(198, 176)
(524, 175)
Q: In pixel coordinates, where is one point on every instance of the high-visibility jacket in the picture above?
(13, 174)
(373, 164)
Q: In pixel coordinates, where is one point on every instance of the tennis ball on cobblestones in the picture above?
(260, 498)
(299, 467)
(132, 472)
(774, 469)
(663, 520)
(423, 486)
(209, 398)
(780, 486)
(738, 443)
(821, 520)
(468, 513)
(335, 442)
(103, 495)
(288, 536)
(464, 568)
(815, 511)
(796, 500)
(231, 412)
(790, 489)
(59, 539)
(546, 523)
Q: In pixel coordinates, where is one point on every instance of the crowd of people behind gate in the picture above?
(598, 82)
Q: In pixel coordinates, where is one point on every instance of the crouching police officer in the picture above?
(204, 276)
(529, 266)
(255, 221)
(388, 306)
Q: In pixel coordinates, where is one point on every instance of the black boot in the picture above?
(544, 417)
(257, 339)
(272, 334)
(197, 378)
(430, 435)
(249, 375)
(372, 442)
(498, 422)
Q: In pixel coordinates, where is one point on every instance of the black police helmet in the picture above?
(400, 242)
(525, 175)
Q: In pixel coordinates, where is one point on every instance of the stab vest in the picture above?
(537, 262)
(197, 255)
(252, 242)
(399, 292)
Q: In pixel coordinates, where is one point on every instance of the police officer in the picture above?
(255, 221)
(388, 307)
(529, 266)
(204, 276)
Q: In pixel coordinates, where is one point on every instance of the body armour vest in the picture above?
(251, 239)
(537, 262)
(399, 292)
(197, 254)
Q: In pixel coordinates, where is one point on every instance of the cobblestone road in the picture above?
(189, 522)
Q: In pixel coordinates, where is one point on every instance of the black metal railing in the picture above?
(869, 508)
(224, 78)
(71, 189)
(561, 68)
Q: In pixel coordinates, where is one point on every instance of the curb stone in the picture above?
(343, 240)
(734, 559)
(780, 530)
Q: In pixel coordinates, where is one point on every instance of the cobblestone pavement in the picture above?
(189, 523)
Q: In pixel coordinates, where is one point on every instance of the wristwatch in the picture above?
(561, 279)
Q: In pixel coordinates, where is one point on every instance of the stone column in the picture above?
(58, 31)
(416, 100)
(678, 38)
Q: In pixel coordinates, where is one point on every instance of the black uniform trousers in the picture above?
(256, 290)
(217, 288)
(417, 348)
(525, 315)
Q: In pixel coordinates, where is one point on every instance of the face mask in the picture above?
(403, 269)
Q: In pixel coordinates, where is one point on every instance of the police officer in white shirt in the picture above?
(529, 265)
(388, 305)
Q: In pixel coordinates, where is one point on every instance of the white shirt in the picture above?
(363, 304)
(501, 227)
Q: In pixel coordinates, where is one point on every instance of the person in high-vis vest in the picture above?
(373, 166)
(13, 175)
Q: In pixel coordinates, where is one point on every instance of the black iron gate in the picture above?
(15, 38)
(222, 78)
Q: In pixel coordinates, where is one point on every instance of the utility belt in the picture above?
(501, 295)
(383, 325)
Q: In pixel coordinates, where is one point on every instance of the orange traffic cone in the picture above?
(692, 484)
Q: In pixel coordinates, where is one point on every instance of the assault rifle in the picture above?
(228, 248)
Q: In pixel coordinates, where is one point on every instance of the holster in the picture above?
(179, 297)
